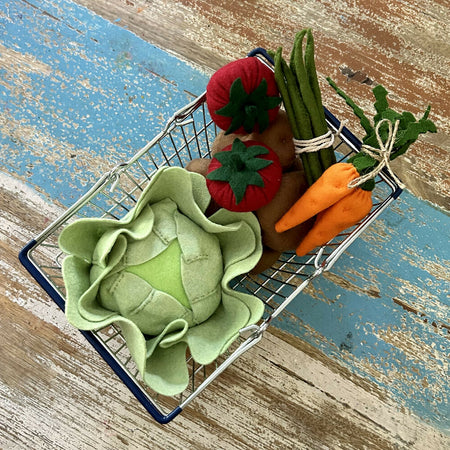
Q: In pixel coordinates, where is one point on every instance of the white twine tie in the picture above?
(317, 143)
(381, 154)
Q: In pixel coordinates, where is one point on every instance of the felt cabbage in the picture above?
(162, 274)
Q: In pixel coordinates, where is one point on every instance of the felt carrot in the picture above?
(343, 214)
(327, 190)
(341, 197)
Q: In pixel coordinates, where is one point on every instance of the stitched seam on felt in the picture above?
(116, 282)
(149, 298)
(201, 297)
(195, 258)
(161, 236)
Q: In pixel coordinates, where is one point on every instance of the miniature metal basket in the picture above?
(188, 135)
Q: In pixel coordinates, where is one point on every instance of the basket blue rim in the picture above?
(26, 261)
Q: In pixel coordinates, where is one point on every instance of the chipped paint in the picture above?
(81, 94)
(78, 105)
(402, 45)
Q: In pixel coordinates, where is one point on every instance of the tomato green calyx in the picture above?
(240, 167)
(248, 110)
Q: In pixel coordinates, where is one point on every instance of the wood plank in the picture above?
(402, 45)
(57, 393)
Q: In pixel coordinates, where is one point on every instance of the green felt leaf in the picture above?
(257, 164)
(410, 135)
(363, 162)
(364, 121)
(409, 127)
(241, 180)
(426, 113)
(369, 185)
(253, 151)
(381, 103)
(248, 110)
(221, 174)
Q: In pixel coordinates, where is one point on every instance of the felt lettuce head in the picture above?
(161, 273)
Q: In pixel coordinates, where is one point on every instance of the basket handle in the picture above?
(262, 52)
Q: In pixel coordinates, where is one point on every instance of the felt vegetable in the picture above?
(268, 258)
(327, 190)
(342, 195)
(299, 89)
(244, 176)
(198, 165)
(223, 140)
(278, 136)
(243, 96)
(343, 214)
(162, 274)
(293, 185)
(407, 131)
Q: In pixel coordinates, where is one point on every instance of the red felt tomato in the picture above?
(243, 96)
(244, 176)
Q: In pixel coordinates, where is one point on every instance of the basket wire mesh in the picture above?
(188, 135)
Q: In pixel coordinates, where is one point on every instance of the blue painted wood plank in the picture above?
(384, 309)
(79, 94)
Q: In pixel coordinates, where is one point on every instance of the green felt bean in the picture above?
(327, 155)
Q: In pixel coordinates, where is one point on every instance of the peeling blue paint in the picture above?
(93, 93)
(94, 88)
(387, 316)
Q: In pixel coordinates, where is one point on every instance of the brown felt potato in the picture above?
(222, 140)
(198, 165)
(293, 185)
(268, 258)
(296, 165)
(201, 165)
(278, 136)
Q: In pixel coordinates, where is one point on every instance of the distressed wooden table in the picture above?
(360, 360)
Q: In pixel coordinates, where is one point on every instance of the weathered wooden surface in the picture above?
(402, 45)
(57, 394)
(81, 96)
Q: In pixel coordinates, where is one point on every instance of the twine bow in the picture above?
(381, 154)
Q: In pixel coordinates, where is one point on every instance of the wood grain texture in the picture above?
(286, 392)
(57, 393)
(402, 45)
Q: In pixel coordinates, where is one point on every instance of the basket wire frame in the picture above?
(188, 135)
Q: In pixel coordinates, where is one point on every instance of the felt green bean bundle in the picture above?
(300, 91)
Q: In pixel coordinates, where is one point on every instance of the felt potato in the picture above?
(278, 136)
(244, 176)
(198, 165)
(223, 140)
(243, 96)
(268, 259)
(201, 166)
(293, 184)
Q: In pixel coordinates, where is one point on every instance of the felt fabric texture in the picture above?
(243, 96)
(113, 274)
(244, 176)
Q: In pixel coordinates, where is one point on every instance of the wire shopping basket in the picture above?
(188, 135)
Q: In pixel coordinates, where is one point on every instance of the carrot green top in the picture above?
(406, 132)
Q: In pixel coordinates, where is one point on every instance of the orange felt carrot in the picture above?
(324, 192)
(341, 215)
